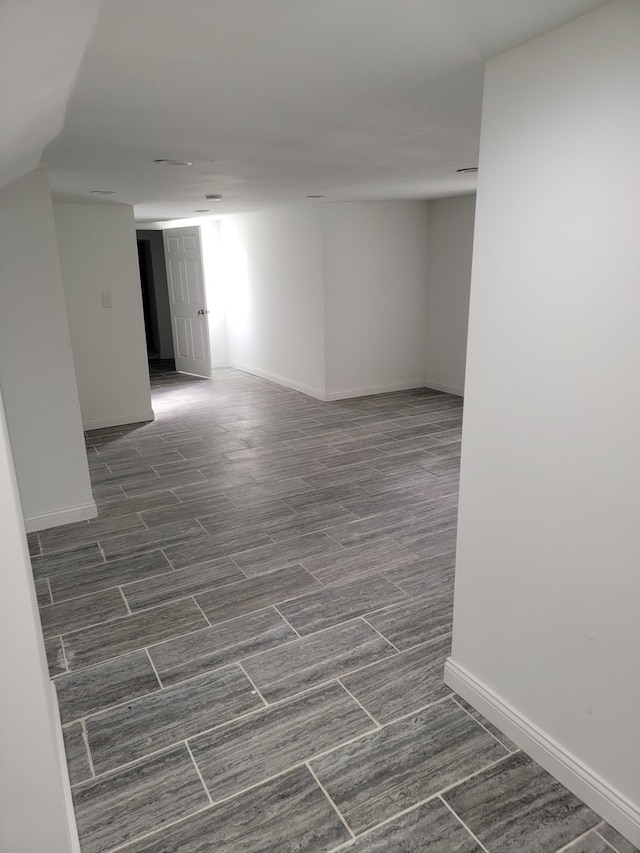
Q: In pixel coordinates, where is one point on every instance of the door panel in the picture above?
(187, 300)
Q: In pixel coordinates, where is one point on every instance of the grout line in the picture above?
(608, 843)
(373, 628)
(193, 598)
(258, 693)
(155, 832)
(195, 764)
(582, 837)
(282, 616)
(153, 667)
(64, 654)
(482, 725)
(124, 598)
(459, 819)
(355, 699)
(326, 793)
(85, 738)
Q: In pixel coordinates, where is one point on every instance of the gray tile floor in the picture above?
(248, 642)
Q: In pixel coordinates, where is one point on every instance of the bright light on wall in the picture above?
(235, 276)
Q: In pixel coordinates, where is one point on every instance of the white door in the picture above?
(187, 300)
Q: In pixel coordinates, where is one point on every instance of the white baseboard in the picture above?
(64, 773)
(369, 390)
(119, 420)
(60, 516)
(442, 386)
(318, 393)
(595, 791)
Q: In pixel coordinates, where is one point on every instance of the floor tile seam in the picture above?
(128, 651)
(64, 654)
(193, 598)
(161, 686)
(315, 634)
(377, 723)
(610, 844)
(380, 634)
(581, 837)
(448, 788)
(480, 723)
(88, 625)
(284, 618)
(301, 762)
(124, 598)
(330, 801)
(253, 684)
(403, 652)
(48, 586)
(463, 824)
(122, 848)
(85, 739)
(199, 772)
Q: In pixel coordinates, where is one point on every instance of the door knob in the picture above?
(202, 312)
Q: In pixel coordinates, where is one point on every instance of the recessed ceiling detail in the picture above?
(164, 161)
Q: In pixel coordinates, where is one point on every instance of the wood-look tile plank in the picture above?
(180, 583)
(424, 577)
(416, 621)
(430, 828)
(308, 662)
(261, 745)
(79, 612)
(122, 805)
(236, 599)
(289, 552)
(101, 642)
(97, 687)
(101, 576)
(202, 651)
(79, 556)
(88, 531)
(405, 762)
(155, 721)
(348, 564)
(149, 540)
(286, 814)
(404, 683)
(334, 604)
(516, 805)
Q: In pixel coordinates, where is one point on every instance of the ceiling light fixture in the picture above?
(468, 170)
(164, 161)
(102, 192)
(202, 210)
(214, 197)
(314, 196)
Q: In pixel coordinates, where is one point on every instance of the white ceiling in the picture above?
(273, 100)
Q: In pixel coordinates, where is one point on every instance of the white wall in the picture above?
(36, 365)
(214, 283)
(98, 255)
(275, 295)
(376, 275)
(546, 628)
(450, 250)
(34, 787)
